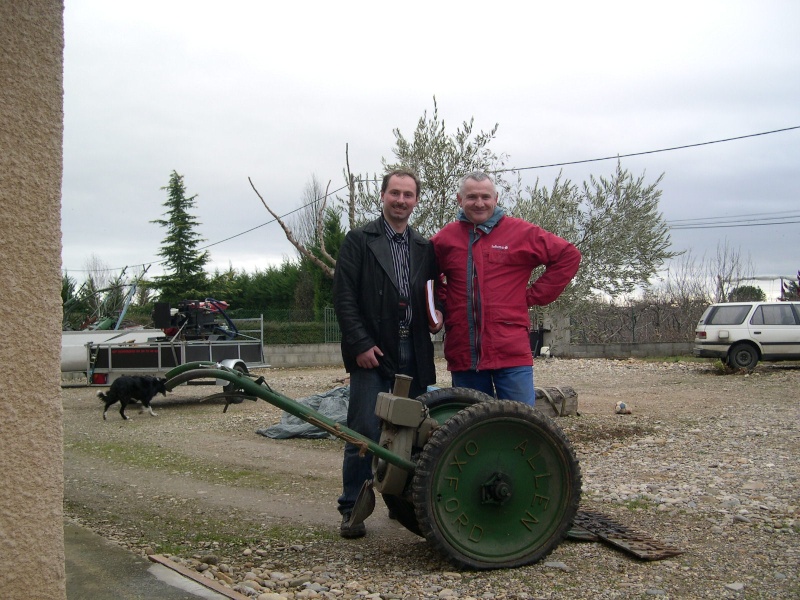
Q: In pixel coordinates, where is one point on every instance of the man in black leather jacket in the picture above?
(379, 299)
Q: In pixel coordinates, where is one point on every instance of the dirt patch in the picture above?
(195, 479)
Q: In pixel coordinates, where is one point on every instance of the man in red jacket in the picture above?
(486, 259)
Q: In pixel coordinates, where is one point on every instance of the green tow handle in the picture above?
(205, 370)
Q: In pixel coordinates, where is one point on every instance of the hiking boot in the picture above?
(346, 530)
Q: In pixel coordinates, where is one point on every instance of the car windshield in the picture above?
(728, 315)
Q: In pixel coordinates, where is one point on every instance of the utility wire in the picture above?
(618, 156)
(283, 216)
(721, 225)
(562, 164)
(737, 220)
(789, 213)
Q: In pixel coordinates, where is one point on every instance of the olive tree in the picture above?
(441, 159)
(615, 223)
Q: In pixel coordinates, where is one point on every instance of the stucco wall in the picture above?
(644, 350)
(31, 125)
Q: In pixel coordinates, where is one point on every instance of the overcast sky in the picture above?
(274, 91)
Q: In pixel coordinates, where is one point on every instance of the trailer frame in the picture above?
(106, 362)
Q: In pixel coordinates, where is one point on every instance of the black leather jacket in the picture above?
(366, 299)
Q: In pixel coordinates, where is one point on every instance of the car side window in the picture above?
(787, 315)
(728, 315)
(773, 314)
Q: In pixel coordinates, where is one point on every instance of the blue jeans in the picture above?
(510, 383)
(365, 384)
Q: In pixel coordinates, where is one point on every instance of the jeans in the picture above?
(365, 384)
(510, 383)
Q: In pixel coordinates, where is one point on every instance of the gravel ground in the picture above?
(707, 462)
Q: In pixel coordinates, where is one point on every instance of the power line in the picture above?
(618, 156)
(784, 217)
(283, 216)
(721, 225)
(575, 162)
(790, 213)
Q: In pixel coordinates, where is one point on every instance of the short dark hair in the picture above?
(401, 173)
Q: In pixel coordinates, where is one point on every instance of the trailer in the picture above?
(194, 331)
(108, 361)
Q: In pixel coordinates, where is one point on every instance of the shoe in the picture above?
(346, 530)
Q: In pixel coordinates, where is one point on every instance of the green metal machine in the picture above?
(491, 484)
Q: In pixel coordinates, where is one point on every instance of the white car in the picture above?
(742, 333)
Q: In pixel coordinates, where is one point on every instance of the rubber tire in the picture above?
(743, 356)
(477, 444)
(442, 404)
(446, 402)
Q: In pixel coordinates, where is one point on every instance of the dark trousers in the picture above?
(365, 384)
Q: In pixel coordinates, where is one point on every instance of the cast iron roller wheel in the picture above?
(442, 404)
(743, 356)
(497, 486)
(445, 402)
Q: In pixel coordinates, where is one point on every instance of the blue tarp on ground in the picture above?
(332, 404)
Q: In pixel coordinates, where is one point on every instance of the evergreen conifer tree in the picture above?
(185, 277)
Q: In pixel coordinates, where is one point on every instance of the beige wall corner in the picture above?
(31, 127)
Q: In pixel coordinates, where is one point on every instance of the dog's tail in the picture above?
(101, 395)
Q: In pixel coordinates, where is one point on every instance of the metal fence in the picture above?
(636, 323)
(332, 331)
(251, 327)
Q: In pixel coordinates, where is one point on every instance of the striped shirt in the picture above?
(398, 242)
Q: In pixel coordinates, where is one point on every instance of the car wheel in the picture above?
(743, 356)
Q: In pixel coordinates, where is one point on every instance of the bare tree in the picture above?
(326, 262)
(727, 269)
(684, 282)
(144, 289)
(304, 222)
(98, 271)
(363, 200)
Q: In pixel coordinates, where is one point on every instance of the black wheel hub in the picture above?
(497, 490)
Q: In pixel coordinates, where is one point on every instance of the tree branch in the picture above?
(327, 269)
(321, 229)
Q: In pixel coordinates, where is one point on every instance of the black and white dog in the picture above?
(126, 389)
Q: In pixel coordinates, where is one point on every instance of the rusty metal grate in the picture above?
(592, 526)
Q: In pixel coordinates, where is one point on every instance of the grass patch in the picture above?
(185, 540)
(189, 528)
(152, 458)
(635, 504)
